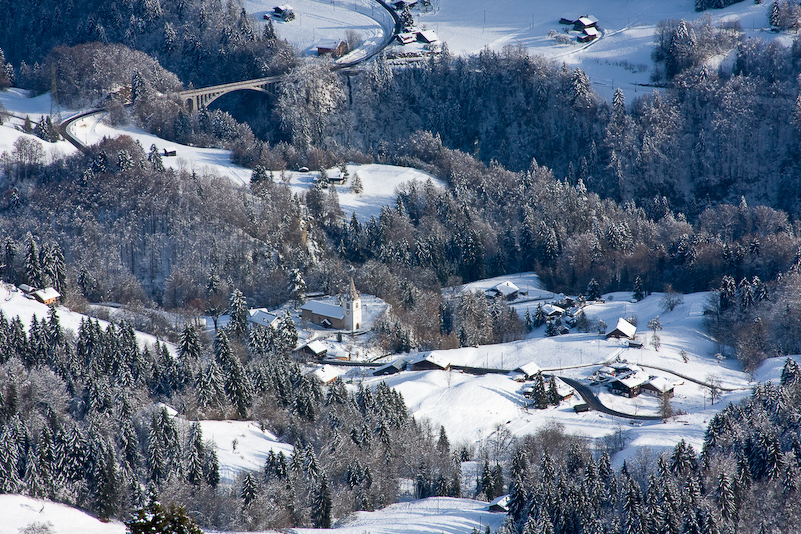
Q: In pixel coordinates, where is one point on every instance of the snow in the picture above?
(620, 58)
(241, 445)
(317, 22)
(20, 512)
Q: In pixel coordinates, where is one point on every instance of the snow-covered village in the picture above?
(400, 266)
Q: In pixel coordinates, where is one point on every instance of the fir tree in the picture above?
(638, 293)
(321, 504)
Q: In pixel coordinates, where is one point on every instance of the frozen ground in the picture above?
(621, 58)
(19, 512)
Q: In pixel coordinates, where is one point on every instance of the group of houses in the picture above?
(586, 25)
(629, 380)
(415, 35)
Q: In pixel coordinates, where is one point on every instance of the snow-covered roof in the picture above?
(262, 317)
(661, 383)
(437, 358)
(626, 328)
(47, 294)
(500, 503)
(324, 309)
(591, 31)
(506, 288)
(330, 44)
(587, 20)
(325, 373)
(632, 380)
(428, 36)
(551, 309)
(283, 7)
(317, 346)
(529, 369)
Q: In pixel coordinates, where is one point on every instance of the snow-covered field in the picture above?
(19, 512)
(473, 407)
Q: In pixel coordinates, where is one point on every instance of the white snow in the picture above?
(19, 512)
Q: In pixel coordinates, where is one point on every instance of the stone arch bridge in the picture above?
(195, 99)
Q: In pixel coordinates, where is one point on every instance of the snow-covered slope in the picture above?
(19, 512)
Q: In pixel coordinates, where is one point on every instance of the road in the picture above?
(595, 403)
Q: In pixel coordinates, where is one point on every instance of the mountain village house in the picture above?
(348, 316)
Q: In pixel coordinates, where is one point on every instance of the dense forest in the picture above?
(693, 187)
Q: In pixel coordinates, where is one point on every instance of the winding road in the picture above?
(595, 403)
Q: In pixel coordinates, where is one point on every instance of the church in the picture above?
(348, 316)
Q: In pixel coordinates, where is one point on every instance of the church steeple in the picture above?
(353, 308)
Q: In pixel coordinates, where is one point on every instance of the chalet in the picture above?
(429, 361)
(169, 152)
(47, 296)
(25, 288)
(624, 329)
(316, 349)
(584, 22)
(335, 49)
(566, 21)
(588, 34)
(552, 311)
(427, 36)
(407, 38)
(506, 289)
(395, 366)
(527, 371)
(284, 12)
(629, 385)
(500, 505)
(658, 386)
(325, 374)
(261, 317)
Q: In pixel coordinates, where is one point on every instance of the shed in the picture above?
(47, 296)
(334, 49)
(581, 407)
(169, 152)
(25, 288)
(567, 21)
(624, 329)
(391, 368)
(430, 361)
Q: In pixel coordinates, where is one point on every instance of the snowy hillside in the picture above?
(20, 512)
(621, 58)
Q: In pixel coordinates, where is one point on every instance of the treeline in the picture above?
(80, 424)
(744, 480)
(203, 42)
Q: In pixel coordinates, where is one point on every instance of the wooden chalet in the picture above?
(584, 22)
(47, 296)
(427, 36)
(500, 505)
(316, 349)
(261, 317)
(335, 49)
(629, 385)
(623, 330)
(505, 289)
(325, 374)
(527, 371)
(589, 34)
(658, 386)
(406, 38)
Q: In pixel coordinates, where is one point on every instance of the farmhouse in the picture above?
(506, 289)
(334, 49)
(407, 38)
(527, 371)
(316, 349)
(261, 317)
(658, 386)
(500, 505)
(584, 22)
(552, 311)
(284, 12)
(427, 36)
(47, 296)
(629, 385)
(624, 329)
(429, 361)
(325, 374)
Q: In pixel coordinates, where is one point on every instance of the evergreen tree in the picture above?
(321, 504)
(540, 395)
(539, 316)
(553, 394)
(238, 310)
(593, 290)
(249, 489)
(297, 286)
(638, 293)
(157, 518)
(33, 267)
